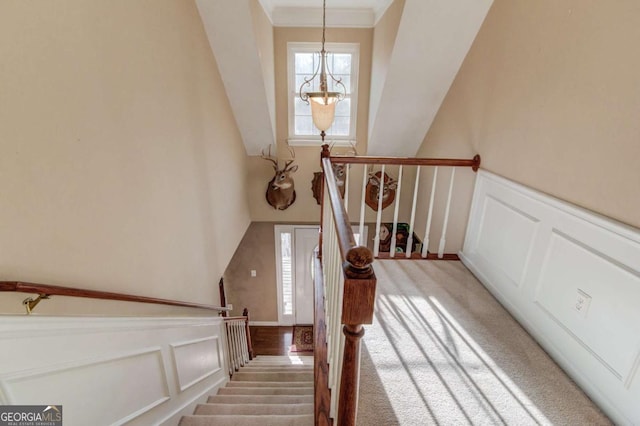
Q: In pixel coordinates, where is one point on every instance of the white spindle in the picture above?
(427, 231)
(365, 176)
(392, 250)
(413, 212)
(346, 187)
(376, 243)
(443, 240)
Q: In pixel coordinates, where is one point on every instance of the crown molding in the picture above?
(312, 17)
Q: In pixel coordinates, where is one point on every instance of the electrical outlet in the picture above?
(582, 303)
(253, 273)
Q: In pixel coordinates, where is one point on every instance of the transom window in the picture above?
(342, 62)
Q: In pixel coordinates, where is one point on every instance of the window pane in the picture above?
(304, 63)
(304, 125)
(343, 108)
(302, 108)
(341, 63)
(287, 277)
(307, 88)
(340, 126)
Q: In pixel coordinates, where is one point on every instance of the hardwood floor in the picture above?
(271, 340)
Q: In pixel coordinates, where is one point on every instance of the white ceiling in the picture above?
(432, 40)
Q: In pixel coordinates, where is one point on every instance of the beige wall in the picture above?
(307, 158)
(258, 294)
(264, 39)
(549, 95)
(121, 166)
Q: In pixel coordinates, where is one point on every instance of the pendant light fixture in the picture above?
(323, 102)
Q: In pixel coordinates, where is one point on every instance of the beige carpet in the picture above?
(443, 351)
(269, 391)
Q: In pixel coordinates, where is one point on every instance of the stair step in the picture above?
(256, 420)
(284, 359)
(240, 383)
(273, 376)
(260, 399)
(265, 391)
(255, 409)
(276, 368)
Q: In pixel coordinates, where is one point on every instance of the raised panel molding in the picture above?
(196, 360)
(83, 383)
(507, 234)
(572, 256)
(111, 370)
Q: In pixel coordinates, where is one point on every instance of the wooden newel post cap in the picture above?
(326, 153)
(359, 260)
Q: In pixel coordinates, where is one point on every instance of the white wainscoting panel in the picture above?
(196, 360)
(571, 277)
(111, 371)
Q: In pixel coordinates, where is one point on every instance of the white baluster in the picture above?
(392, 250)
(365, 176)
(346, 187)
(413, 213)
(376, 242)
(443, 240)
(427, 231)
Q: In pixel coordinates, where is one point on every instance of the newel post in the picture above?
(358, 303)
(245, 313)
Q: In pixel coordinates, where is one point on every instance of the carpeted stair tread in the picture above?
(248, 420)
(255, 409)
(260, 399)
(233, 384)
(265, 391)
(272, 369)
(273, 376)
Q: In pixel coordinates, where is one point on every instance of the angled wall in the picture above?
(550, 97)
(122, 168)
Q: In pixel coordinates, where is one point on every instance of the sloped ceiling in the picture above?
(432, 40)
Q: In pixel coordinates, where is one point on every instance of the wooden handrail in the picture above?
(358, 296)
(357, 258)
(54, 290)
(405, 161)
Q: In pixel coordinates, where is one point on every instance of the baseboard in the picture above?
(264, 323)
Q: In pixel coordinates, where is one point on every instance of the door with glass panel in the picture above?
(294, 266)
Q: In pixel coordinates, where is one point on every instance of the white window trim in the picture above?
(309, 140)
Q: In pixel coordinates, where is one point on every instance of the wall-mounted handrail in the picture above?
(54, 290)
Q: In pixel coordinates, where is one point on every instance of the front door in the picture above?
(294, 262)
(306, 240)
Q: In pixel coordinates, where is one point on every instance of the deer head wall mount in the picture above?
(280, 190)
(372, 193)
(339, 171)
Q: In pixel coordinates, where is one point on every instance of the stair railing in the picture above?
(419, 212)
(239, 348)
(344, 277)
(348, 286)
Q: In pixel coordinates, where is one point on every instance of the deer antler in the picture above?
(293, 157)
(269, 158)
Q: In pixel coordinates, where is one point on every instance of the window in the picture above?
(342, 62)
